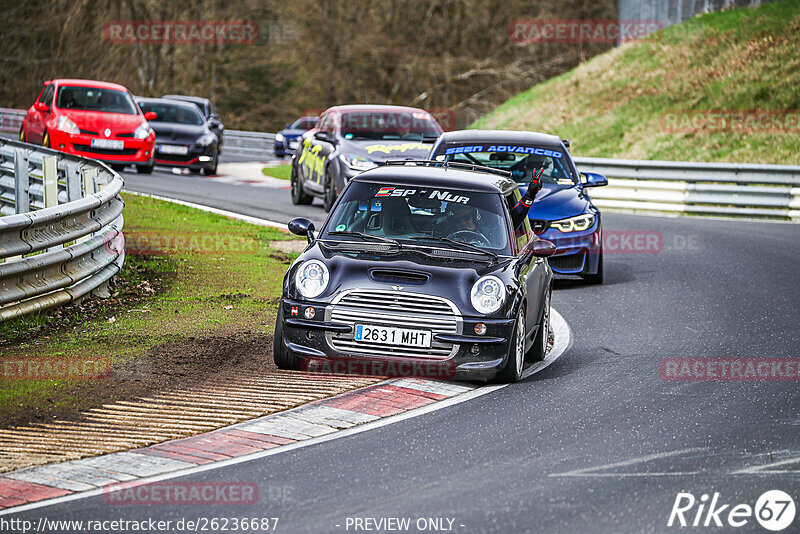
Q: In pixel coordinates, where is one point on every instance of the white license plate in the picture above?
(108, 143)
(394, 336)
(292, 144)
(180, 150)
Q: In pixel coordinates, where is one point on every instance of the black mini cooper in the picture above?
(418, 270)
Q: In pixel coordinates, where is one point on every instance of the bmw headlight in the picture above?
(66, 125)
(207, 140)
(142, 131)
(357, 163)
(279, 137)
(311, 278)
(488, 294)
(574, 224)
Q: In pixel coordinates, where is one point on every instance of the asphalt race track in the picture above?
(598, 441)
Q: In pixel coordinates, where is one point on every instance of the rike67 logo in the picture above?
(774, 510)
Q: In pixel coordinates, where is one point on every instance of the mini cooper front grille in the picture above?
(399, 309)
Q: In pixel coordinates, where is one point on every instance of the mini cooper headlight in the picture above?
(574, 224)
(488, 294)
(311, 278)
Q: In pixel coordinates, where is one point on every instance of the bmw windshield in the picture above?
(422, 216)
(520, 160)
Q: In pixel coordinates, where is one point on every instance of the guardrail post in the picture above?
(50, 180)
(89, 185)
(22, 201)
(73, 182)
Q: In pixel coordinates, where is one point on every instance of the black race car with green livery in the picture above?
(351, 139)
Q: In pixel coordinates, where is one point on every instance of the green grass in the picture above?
(187, 274)
(613, 105)
(284, 172)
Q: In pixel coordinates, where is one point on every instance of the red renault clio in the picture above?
(98, 120)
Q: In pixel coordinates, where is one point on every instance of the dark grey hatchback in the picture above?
(418, 267)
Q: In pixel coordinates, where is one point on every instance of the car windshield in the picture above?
(304, 123)
(520, 160)
(174, 114)
(420, 215)
(389, 125)
(95, 99)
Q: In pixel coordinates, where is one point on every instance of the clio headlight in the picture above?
(488, 294)
(142, 131)
(311, 278)
(574, 224)
(66, 125)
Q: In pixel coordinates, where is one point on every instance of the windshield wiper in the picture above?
(456, 244)
(372, 237)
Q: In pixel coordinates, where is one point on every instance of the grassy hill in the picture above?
(633, 102)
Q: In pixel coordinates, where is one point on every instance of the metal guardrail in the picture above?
(717, 189)
(256, 144)
(721, 189)
(61, 230)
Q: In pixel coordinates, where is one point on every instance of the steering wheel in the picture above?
(470, 236)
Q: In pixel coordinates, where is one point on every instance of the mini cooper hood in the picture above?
(98, 121)
(556, 202)
(387, 150)
(451, 279)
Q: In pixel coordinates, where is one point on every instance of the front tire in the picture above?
(539, 349)
(145, 169)
(512, 372)
(280, 354)
(211, 171)
(329, 196)
(298, 195)
(46, 140)
(22, 135)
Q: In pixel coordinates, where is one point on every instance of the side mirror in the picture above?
(541, 248)
(214, 123)
(151, 115)
(592, 179)
(41, 106)
(302, 227)
(324, 136)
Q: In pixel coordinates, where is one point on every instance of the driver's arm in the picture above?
(520, 211)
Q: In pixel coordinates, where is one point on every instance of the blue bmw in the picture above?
(562, 212)
(286, 140)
